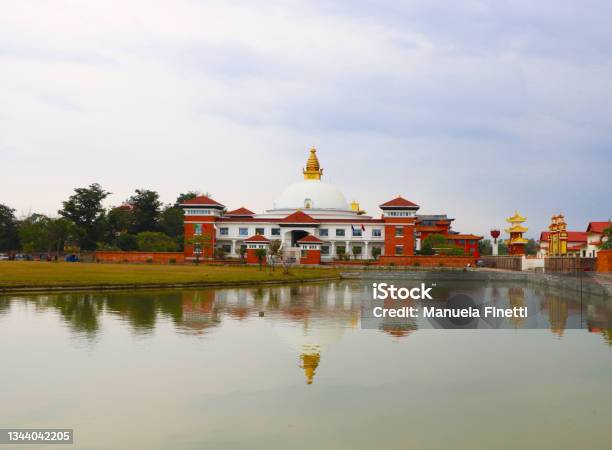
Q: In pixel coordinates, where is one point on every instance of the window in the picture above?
(323, 232)
(399, 250)
(223, 231)
(303, 253)
(197, 229)
(307, 203)
(399, 213)
(460, 242)
(339, 232)
(243, 231)
(340, 250)
(356, 250)
(260, 231)
(227, 248)
(356, 232)
(399, 231)
(376, 232)
(197, 212)
(275, 231)
(325, 249)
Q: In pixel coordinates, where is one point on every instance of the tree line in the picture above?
(143, 222)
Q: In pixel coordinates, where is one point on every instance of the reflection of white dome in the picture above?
(314, 194)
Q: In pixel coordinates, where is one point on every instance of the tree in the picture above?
(261, 254)
(9, 235)
(438, 244)
(340, 251)
(219, 253)
(376, 251)
(33, 233)
(127, 242)
(356, 252)
(154, 241)
(274, 250)
(146, 211)
(201, 243)
(606, 239)
(485, 247)
(60, 231)
(185, 196)
(531, 247)
(171, 221)
(120, 220)
(84, 209)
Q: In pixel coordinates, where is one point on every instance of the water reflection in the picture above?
(309, 319)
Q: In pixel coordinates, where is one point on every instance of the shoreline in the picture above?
(157, 286)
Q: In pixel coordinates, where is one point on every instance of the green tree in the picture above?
(120, 220)
(202, 243)
(606, 239)
(146, 211)
(60, 231)
(274, 250)
(531, 247)
(34, 233)
(84, 209)
(261, 254)
(154, 241)
(485, 247)
(127, 242)
(438, 244)
(356, 252)
(171, 221)
(9, 234)
(185, 196)
(376, 251)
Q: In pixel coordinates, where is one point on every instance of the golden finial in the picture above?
(313, 170)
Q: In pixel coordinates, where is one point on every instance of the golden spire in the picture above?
(313, 170)
(310, 362)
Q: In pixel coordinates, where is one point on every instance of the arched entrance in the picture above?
(296, 235)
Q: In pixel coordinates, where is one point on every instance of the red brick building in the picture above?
(314, 223)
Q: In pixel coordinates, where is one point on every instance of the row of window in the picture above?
(323, 232)
(325, 249)
(198, 212)
(399, 213)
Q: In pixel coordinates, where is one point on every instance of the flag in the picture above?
(362, 227)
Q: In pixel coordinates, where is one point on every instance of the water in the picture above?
(193, 369)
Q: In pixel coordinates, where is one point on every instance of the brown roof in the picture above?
(429, 228)
(310, 239)
(242, 211)
(400, 202)
(298, 217)
(598, 227)
(257, 238)
(202, 200)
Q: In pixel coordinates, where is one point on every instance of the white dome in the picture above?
(311, 194)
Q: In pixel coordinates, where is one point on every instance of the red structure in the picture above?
(400, 222)
(310, 249)
(253, 244)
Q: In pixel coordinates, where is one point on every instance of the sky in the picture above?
(470, 108)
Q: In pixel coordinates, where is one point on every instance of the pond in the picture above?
(291, 367)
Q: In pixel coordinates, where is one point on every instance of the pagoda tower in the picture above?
(516, 243)
(557, 238)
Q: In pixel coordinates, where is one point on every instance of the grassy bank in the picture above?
(26, 274)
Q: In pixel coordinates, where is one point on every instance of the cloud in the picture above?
(473, 108)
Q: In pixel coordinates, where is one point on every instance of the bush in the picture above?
(149, 260)
(127, 242)
(172, 261)
(152, 241)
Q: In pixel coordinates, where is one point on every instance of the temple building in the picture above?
(314, 223)
(516, 243)
(572, 243)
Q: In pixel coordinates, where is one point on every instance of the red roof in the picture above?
(202, 200)
(310, 239)
(400, 202)
(572, 236)
(242, 211)
(298, 217)
(598, 227)
(257, 238)
(463, 236)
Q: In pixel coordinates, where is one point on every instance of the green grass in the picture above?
(20, 274)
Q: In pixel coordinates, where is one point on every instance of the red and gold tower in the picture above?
(557, 238)
(516, 243)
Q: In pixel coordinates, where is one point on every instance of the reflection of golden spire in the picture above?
(313, 171)
(310, 362)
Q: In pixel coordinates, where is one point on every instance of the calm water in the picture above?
(198, 369)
